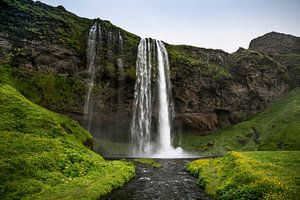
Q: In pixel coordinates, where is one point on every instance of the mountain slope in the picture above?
(276, 128)
(42, 155)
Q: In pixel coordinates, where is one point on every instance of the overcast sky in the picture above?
(218, 24)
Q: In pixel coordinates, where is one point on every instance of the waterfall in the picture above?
(141, 132)
(142, 108)
(91, 55)
(120, 42)
(164, 93)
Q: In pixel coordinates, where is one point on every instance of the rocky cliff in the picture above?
(46, 48)
(283, 48)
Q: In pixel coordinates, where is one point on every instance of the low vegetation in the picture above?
(42, 155)
(250, 175)
(276, 128)
(182, 59)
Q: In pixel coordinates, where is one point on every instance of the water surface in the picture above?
(170, 182)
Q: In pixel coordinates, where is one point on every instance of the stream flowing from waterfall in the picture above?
(91, 55)
(170, 181)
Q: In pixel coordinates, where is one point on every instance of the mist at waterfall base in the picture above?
(150, 131)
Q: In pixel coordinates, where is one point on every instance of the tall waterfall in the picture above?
(142, 108)
(91, 55)
(164, 94)
(142, 128)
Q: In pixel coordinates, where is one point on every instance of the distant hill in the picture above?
(276, 43)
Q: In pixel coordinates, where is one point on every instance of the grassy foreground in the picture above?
(277, 128)
(42, 155)
(250, 175)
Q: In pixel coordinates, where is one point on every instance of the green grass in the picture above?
(250, 175)
(277, 128)
(42, 155)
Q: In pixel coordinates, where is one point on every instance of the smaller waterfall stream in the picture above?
(91, 54)
(120, 66)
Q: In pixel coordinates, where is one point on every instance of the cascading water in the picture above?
(165, 111)
(164, 128)
(120, 42)
(91, 54)
(121, 79)
(142, 108)
(120, 66)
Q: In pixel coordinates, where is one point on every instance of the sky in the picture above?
(217, 24)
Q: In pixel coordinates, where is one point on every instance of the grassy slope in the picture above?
(42, 155)
(277, 128)
(250, 175)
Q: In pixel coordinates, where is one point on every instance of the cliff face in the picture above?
(216, 89)
(211, 88)
(46, 46)
(283, 48)
(276, 43)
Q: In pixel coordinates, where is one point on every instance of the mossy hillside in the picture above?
(113, 48)
(43, 156)
(56, 92)
(19, 114)
(190, 58)
(250, 175)
(276, 128)
(254, 58)
(36, 21)
(62, 88)
(292, 61)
